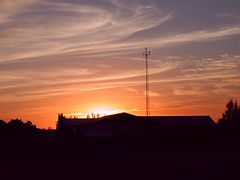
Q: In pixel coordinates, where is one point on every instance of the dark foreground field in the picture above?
(51, 157)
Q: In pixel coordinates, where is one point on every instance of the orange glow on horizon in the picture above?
(96, 112)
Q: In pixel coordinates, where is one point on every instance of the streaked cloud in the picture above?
(9, 8)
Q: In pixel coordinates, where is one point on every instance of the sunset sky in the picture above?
(76, 56)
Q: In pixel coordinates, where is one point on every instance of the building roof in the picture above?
(189, 121)
(125, 119)
(78, 122)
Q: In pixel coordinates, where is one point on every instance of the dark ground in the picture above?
(51, 157)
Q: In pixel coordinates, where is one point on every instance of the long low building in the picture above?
(125, 124)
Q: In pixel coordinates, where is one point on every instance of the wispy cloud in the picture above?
(53, 28)
(205, 35)
(36, 84)
(227, 15)
(9, 8)
(153, 94)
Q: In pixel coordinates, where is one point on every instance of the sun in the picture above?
(96, 112)
(100, 112)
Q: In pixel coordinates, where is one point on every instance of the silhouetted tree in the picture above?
(3, 127)
(231, 116)
(16, 123)
(29, 123)
(19, 129)
(2, 124)
(93, 115)
(98, 115)
(60, 123)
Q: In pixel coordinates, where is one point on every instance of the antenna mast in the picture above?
(146, 54)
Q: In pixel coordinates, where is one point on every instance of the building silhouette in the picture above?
(124, 124)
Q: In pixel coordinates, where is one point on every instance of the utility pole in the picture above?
(146, 54)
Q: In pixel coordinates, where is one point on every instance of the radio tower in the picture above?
(146, 54)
